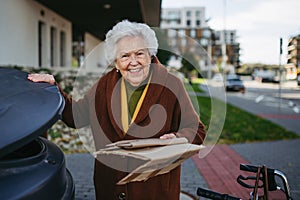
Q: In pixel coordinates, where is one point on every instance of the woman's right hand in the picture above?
(48, 78)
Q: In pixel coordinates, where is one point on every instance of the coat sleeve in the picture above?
(191, 126)
(75, 113)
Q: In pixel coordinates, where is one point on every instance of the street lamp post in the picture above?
(223, 49)
(280, 72)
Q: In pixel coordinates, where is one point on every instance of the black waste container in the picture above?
(31, 167)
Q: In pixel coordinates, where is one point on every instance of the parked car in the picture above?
(234, 83)
(31, 167)
(265, 76)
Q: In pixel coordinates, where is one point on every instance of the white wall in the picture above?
(94, 53)
(19, 21)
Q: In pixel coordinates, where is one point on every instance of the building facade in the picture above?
(32, 35)
(293, 56)
(55, 33)
(232, 46)
(183, 18)
(187, 30)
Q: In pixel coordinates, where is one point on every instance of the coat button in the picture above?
(122, 196)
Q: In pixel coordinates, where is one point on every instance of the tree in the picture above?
(164, 52)
(189, 63)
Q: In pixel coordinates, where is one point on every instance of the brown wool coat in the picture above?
(172, 112)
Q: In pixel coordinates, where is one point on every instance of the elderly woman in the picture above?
(138, 98)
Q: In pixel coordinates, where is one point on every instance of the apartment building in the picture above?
(183, 17)
(187, 30)
(293, 57)
(232, 46)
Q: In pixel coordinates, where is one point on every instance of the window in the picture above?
(206, 33)
(188, 13)
(198, 22)
(193, 33)
(204, 42)
(62, 48)
(173, 22)
(53, 46)
(42, 44)
(188, 22)
(172, 15)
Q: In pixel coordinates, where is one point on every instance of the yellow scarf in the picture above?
(124, 105)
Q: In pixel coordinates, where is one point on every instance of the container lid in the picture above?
(27, 109)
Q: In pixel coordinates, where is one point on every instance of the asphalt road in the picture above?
(278, 103)
(281, 106)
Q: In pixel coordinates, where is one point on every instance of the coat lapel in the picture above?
(113, 100)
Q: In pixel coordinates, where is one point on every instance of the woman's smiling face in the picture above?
(133, 59)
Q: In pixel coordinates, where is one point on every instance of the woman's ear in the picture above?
(152, 58)
(116, 66)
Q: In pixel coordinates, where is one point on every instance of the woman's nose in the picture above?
(133, 59)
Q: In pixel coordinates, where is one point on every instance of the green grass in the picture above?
(241, 126)
(198, 80)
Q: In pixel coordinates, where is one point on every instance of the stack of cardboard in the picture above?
(145, 158)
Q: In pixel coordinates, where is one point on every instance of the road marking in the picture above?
(259, 98)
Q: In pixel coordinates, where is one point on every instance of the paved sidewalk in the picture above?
(280, 155)
(217, 171)
(220, 168)
(81, 168)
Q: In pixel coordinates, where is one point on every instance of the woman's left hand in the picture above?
(47, 78)
(168, 136)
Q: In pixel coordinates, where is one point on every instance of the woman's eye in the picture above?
(124, 57)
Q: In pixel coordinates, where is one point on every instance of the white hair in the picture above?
(127, 28)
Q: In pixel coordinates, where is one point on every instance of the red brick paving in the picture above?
(220, 169)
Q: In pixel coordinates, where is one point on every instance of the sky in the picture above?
(259, 24)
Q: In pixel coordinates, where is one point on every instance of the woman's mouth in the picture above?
(135, 70)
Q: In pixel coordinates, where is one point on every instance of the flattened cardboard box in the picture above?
(145, 158)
